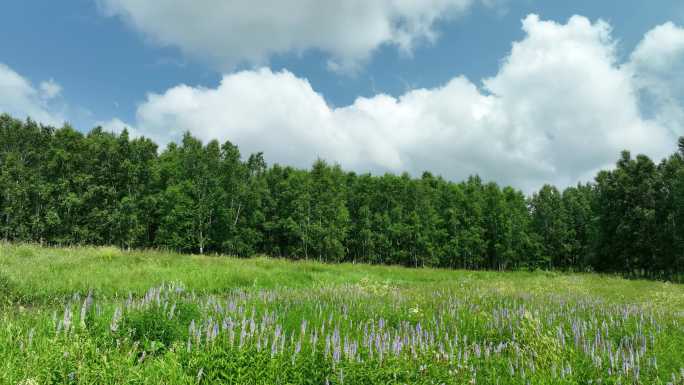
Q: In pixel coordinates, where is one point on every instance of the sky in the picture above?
(521, 92)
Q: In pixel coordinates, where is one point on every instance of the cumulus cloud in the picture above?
(237, 31)
(658, 64)
(117, 126)
(50, 89)
(19, 98)
(560, 107)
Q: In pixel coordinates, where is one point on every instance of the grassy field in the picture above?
(102, 316)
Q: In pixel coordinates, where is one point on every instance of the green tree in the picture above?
(550, 222)
(626, 206)
(60, 186)
(191, 197)
(329, 218)
(580, 225)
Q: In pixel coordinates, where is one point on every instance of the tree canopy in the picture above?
(59, 186)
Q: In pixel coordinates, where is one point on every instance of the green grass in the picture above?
(429, 326)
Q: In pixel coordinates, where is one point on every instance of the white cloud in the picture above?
(658, 65)
(117, 126)
(560, 107)
(19, 98)
(567, 102)
(236, 31)
(50, 89)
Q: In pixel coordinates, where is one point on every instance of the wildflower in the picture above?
(116, 318)
(30, 336)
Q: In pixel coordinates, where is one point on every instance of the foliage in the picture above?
(267, 321)
(62, 187)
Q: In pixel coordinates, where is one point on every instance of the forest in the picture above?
(61, 187)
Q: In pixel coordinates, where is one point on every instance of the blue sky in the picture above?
(107, 56)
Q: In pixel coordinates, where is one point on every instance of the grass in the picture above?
(154, 317)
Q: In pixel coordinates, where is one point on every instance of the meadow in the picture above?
(106, 316)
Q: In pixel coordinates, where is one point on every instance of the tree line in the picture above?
(59, 186)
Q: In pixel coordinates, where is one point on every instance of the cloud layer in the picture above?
(560, 108)
(236, 31)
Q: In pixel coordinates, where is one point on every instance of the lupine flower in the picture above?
(116, 318)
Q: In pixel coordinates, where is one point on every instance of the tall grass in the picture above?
(102, 315)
